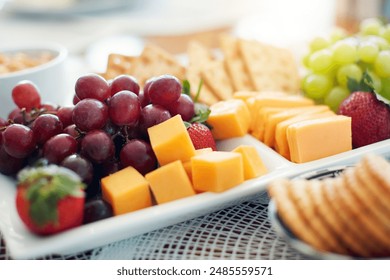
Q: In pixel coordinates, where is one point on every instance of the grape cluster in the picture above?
(104, 131)
(332, 62)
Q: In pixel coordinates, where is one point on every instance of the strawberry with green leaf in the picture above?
(50, 199)
(197, 127)
(370, 116)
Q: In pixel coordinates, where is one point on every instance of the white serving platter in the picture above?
(21, 244)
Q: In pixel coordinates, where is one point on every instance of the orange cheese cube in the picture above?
(187, 165)
(273, 119)
(126, 191)
(229, 118)
(217, 171)
(253, 165)
(281, 142)
(314, 139)
(170, 141)
(170, 182)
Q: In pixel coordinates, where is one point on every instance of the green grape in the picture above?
(305, 60)
(368, 51)
(381, 42)
(335, 97)
(318, 43)
(337, 35)
(370, 26)
(382, 64)
(376, 81)
(344, 52)
(316, 86)
(352, 71)
(321, 61)
(385, 33)
(385, 90)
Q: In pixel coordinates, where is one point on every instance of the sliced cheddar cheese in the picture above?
(281, 142)
(170, 182)
(170, 141)
(217, 171)
(126, 191)
(272, 120)
(258, 123)
(229, 118)
(317, 138)
(253, 164)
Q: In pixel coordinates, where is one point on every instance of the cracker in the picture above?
(323, 212)
(155, 61)
(374, 238)
(118, 64)
(300, 194)
(198, 56)
(216, 78)
(269, 67)
(351, 234)
(290, 214)
(234, 64)
(379, 168)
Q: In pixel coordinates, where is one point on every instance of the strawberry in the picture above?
(370, 118)
(49, 199)
(201, 136)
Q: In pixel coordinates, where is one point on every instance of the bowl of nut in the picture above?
(43, 64)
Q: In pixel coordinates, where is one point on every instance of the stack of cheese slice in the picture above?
(294, 126)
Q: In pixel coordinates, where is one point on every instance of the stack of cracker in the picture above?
(242, 65)
(348, 214)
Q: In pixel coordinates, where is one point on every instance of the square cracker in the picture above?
(215, 76)
(155, 61)
(118, 64)
(198, 57)
(234, 63)
(269, 67)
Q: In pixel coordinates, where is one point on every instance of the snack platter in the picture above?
(22, 244)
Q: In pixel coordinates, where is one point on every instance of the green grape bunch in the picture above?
(334, 60)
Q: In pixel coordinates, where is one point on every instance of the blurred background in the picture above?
(91, 29)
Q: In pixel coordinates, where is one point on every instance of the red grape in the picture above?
(90, 114)
(143, 99)
(95, 210)
(138, 154)
(3, 122)
(26, 95)
(59, 147)
(164, 90)
(72, 131)
(65, 115)
(49, 107)
(80, 166)
(152, 115)
(97, 146)
(92, 86)
(147, 86)
(124, 108)
(10, 165)
(46, 126)
(76, 99)
(184, 106)
(18, 140)
(124, 82)
(14, 114)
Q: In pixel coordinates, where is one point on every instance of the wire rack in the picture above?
(239, 232)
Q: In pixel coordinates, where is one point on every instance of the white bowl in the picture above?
(49, 77)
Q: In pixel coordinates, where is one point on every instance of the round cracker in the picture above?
(339, 217)
(364, 218)
(289, 213)
(322, 211)
(300, 195)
